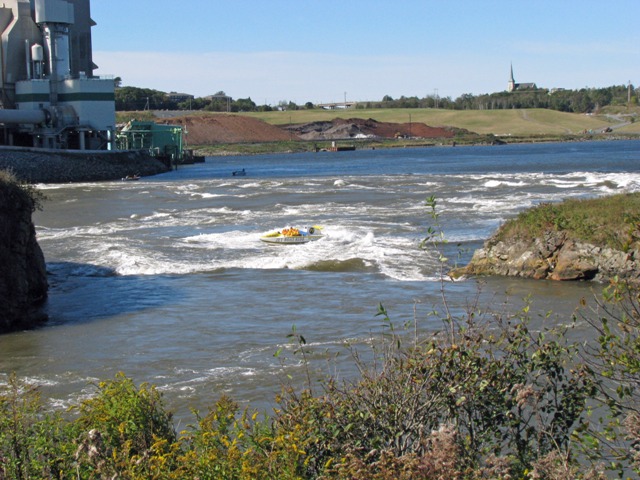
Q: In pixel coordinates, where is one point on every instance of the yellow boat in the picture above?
(293, 236)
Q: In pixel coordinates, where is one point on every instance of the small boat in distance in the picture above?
(293, 236)
(239, 173)
(131, 178)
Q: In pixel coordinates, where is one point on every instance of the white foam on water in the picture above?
(141, 264)
(112, 248)
(501, 183)
(250, 185)
(78, 186)
(208, 195)
(190, 381)
(381, 229)
(612, 182)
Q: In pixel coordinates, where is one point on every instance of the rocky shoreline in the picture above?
(552, 256)
(23, 281)
(54, 166)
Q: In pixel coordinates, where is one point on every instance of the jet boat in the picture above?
(293, 236)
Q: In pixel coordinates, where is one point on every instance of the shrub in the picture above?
(31, 441)
(505, 391)
(485, 398)
(121, 428)
(615, 364)
(13, 192)
(231, 444)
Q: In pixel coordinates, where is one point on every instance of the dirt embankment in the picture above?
(339, 129)
(223, 128)
(228, 128)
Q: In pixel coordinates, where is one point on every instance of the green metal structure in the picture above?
(162, 141)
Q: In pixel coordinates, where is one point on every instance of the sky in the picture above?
(323, 51)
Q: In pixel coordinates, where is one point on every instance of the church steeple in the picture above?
(511, 86)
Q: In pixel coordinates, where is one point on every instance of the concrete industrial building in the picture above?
(50, 97)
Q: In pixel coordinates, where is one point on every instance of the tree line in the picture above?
(136, 99)
(585, 100)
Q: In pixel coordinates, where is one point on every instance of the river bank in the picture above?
(299, 146)
(579, 239)
(55, 166)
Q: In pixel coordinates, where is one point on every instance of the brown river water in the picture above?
(166, 279)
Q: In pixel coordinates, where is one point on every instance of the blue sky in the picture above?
(322, 51)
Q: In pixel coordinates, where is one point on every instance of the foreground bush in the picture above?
(487, 397)
(615, 363)
(32, 444)
(488, 394)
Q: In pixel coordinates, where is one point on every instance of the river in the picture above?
(166, 280)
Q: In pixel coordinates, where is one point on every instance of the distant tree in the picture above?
(134, 98)
(407, 102)
(284, 105)
(243, 105)
(194, 104)
(576, 101)
(445, 102)
(464, 102)
(560, 101)
(218, 104)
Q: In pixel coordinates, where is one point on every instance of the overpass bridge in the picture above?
(337, 105)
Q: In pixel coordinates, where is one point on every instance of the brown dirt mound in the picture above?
(223, 128)
(340, 128)
(392, 130)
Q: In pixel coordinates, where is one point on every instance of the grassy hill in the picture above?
(514, 125)
(497, 122)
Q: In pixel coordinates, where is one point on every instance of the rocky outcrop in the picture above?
(553, 256)
(23, 276)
